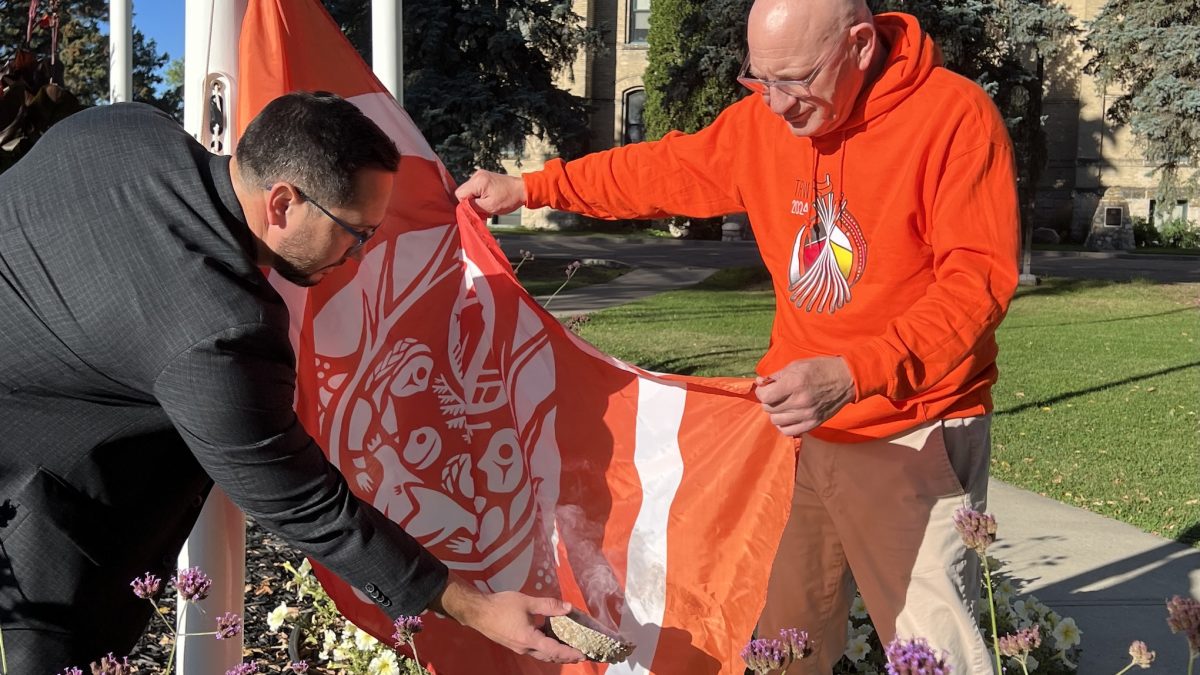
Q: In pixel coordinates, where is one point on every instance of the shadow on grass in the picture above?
(1063, 286)
(1091, 390)
(1011, 327)
(670, 365)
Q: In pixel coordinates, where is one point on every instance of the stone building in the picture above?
(1090, 160)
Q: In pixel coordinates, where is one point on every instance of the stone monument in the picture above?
(1112, 229)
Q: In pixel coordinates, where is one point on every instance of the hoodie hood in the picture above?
(912, 57)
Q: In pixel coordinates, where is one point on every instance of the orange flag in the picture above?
(517, 453)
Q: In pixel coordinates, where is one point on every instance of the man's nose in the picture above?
(779, 102)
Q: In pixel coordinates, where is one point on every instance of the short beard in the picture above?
(292, 273)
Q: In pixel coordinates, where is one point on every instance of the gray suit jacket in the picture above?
(143, 353)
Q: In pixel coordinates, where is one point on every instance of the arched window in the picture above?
(634, 129)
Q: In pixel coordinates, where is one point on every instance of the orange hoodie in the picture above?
(891, 241)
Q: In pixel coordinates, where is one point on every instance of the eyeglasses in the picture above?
(793, 88)
(361, 236)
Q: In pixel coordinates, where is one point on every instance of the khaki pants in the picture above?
(881, 514)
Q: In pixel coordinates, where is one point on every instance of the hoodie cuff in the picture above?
(537, 186)
(872, 365)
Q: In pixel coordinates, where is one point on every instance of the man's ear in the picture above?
(864, 42)
(280, 197)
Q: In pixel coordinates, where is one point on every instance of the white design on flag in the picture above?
(660, 467)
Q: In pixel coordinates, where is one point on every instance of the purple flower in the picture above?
(243, 669)
(406, 627)
(978, 530)
(109, 665)
(1183, 616)
(573, 268)
(146, 587)
(300, 667)
(763, 656)
(1021, 642)
(1141, 654)
(796, 642)
(228, 625)
(914, 657)
(193, 584)
(71, 671)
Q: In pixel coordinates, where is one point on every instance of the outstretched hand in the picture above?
(513, 620)
(491, 193)
(805, 393)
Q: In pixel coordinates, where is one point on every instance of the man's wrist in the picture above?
(457, 600)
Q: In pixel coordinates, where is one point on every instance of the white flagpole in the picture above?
(120, 51)
(387, 45)
(217, 543)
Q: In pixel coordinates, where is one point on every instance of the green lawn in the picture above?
(1098, 400)
(543, 276)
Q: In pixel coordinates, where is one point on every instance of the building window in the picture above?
(639, 20)
(635, 129)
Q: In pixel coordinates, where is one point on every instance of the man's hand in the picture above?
(805, 393)
(490, 193)
(510, 619)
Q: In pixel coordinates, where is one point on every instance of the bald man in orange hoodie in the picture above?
(881, 190)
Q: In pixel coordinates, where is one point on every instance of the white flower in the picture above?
(277, 616)
(1066, 634)
(384, 664)
(857, 648)
(865, 630)
(1004, 591)
(1020, 608)
(364, 641)
(858, 609)
(305, 568)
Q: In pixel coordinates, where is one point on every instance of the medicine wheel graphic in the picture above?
(828, 257)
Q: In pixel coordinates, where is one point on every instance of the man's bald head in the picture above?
(825, 49)
(807, 20)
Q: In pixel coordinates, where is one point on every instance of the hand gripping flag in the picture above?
(517, 453)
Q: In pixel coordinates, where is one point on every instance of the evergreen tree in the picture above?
(695, 50)
(1150, 50)
(83, 51)
(479, 75)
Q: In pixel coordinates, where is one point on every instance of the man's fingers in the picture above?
(549, 606)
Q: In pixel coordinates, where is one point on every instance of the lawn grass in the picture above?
(1098, 403)
(543, 276)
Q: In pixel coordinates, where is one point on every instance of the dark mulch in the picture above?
(264, 591)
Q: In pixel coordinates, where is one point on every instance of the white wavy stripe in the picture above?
(396, 123)
(660, 467)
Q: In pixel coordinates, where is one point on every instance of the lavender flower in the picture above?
(193, 584)
(299, 667)
(978, 530)
(71, 671)
(763, 656)
(228, 625)
(244, 669)
(1183, 616)
(109, 665)
(406, 627)
(915, 657)
(146, 587)
(1022, 642)
(796, 642)
(1141, 654)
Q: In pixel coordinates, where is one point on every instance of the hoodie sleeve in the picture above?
(680, 174)
(974, 230)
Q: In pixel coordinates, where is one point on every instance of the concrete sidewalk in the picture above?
(1112, 578)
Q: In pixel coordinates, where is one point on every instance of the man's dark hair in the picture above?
(317, 141)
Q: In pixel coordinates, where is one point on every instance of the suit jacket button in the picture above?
(385, 602)
(370, 588)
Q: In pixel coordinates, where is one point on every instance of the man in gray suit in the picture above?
(143, 356)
